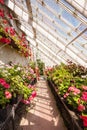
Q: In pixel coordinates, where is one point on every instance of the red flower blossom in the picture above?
(3, 83)
(25, 45)
(6, 85)
(10, 16)
(84, 96)
(2, 1)
(81, 107)
(1, 80)
(7, 29)
(84, 118)
(12, 31)
(34, 94)
(1, 12)
(8, 94)
(5, 40)
(26, 54)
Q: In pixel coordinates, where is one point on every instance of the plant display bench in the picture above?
(7, 114)
(71, 122)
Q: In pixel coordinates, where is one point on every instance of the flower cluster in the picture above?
(71, 85)
(84, 118)
(5, 94)
(8, 34)
(5, 40)
(13, 83)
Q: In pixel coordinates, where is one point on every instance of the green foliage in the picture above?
(41, 66)
(70, 79)
(15, 76)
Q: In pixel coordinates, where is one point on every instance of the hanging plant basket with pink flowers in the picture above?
(9, 36)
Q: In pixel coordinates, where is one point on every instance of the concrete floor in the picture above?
(43, 113)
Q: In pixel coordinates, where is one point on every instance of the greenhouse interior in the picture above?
(43, 65)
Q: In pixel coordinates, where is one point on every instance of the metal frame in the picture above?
(38, 24)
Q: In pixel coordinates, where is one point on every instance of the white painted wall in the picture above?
(9, 54)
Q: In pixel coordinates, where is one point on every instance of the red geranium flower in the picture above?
(5, 40)
(81, 107)
(1, 12)
(7, 29)
(3, 83)
(12, 31)
(2, 1)
(84, 96)
(34, 94)
(84, 118)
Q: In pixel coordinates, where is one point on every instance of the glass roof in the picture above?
(56, 28)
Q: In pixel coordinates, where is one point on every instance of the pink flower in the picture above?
(3, 83)
(2, 80)
(30, 98)
(84, 96)
(66, 94)
(6, 85)
(84, 118)
(34, 94)
(31, 71)
(25, 101)
(29, 86)
(8, 94)
(84, 87)
(81, 107)
(74, 90)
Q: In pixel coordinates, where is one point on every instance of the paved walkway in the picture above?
(43, 114)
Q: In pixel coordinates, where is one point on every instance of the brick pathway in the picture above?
(43, 113)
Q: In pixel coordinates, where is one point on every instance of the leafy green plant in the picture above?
(12, 84)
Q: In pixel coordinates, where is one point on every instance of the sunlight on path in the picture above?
(43, 113)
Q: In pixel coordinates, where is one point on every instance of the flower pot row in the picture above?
(71, 122)
(7, 114)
